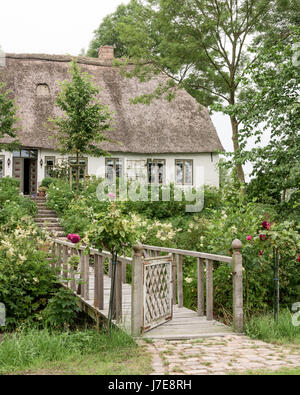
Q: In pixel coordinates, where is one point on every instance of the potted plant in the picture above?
(42, 191)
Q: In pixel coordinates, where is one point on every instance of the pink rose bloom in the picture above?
(111, 195)
(266, 225)
(74, 238)
(249, 238)
(262, 237)
(298, 258)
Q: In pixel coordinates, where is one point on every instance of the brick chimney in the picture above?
(106, 52)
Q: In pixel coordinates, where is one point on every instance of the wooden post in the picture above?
(109, 267)
(209, 290)
(72, 273)
(200, 286)
(58, 257)
(65, 264)
(137, 292)
(179, 281)
(124, 271)
(99, 282)
(117, 306)
(237, 278)
(85, 259)
(174, 277)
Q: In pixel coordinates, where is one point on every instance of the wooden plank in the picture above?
(174, 278)
(99, 282)
(118, 293)
(124, 271)
(214, 257)
(179, 281)
(200, 286)
(209, 289)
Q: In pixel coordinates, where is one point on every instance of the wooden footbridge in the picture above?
(152, 304)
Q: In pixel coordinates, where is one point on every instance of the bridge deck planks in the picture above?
(186, 324)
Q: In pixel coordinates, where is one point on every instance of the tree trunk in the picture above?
(239, 169)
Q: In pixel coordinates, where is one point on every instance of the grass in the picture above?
(280, 372)
(264, 328)
(79, 352)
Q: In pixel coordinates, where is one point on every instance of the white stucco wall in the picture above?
(205, 169)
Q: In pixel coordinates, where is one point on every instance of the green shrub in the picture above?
(26, 279)
(47, 181)
(62, 309)
(59, 196)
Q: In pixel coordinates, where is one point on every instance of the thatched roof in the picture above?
(161, 127)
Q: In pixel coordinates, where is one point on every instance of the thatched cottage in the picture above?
(160, 143)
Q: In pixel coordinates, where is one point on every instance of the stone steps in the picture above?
(47, 218)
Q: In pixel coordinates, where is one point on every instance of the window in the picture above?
(184, 171)
(156, 171)
(113, 168)
(49, 164)
(2, 164)
(26, 153)
(42, 90)
(82, 167)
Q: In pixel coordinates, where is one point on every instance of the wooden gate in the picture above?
(158, 293)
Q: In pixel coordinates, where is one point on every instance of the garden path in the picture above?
(219, 356)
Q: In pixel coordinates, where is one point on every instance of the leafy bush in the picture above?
(46, 182)
(59, 196)
(62, 309)
(26, 279)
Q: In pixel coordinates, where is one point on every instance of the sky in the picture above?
(65, 27)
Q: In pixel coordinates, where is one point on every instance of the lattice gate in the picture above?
(158, 301)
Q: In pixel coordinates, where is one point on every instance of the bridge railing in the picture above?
(63, 250)
(77, 279)
(205, 260)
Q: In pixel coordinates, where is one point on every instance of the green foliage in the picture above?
(107, 33)
(85, 121)
(32, 348)
(46, 182)
(26, 280)
(269, 105)
(62, 309)
(59, 196)
(7, 119)
(264, 327)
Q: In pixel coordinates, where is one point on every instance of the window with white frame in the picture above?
(2, 164)
(156, 171)
(49, 164)
(184, 171)
(113, 168)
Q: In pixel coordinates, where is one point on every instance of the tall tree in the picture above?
(7, 119)
(200, 45)
(85, 121)
(107, 33)
(270, 103)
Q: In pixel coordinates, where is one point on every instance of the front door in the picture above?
(25, 170)
(158, 294)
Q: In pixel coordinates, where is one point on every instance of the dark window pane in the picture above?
(1, 168)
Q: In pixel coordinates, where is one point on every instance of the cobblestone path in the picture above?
(219, 356)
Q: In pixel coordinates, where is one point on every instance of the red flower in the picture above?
(266, 225)
(298, 259)
(263, 237)
(249, 238)
(73, 238)
(261, 252)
